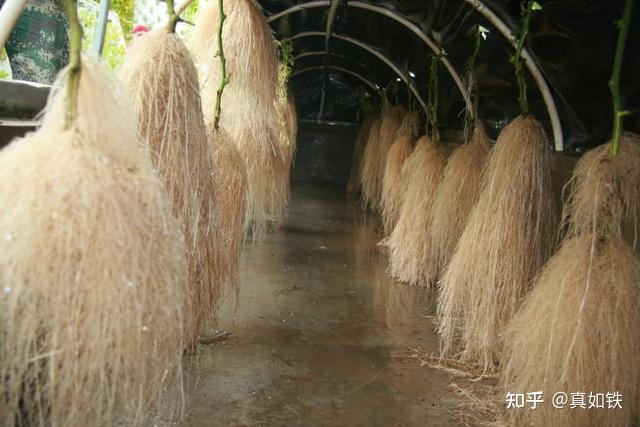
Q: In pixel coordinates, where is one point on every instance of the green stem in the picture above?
(472, 79)
(173, 18)
(527, 8)
(410, 97)
(75, 48)
(396, 93)
(224, 77)
(433, 96)
(614, 82)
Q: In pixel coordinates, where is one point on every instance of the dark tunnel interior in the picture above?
(571, 41)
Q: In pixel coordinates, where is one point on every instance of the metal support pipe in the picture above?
(101, 28)
(533, 67)
(315, 53)
(298, 8)
(364, 80)
(435, 47)
(321, 53)
(331, 17)
(373, 51)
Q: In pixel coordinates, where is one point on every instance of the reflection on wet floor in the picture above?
(318, 333)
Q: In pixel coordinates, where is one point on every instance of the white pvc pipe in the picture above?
(9, 14)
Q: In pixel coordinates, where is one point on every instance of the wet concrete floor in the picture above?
(318, 333)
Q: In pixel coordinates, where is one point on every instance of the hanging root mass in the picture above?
(353, 185)
(230, 200)
(391, 122)
(368, 173)
(289, 128)
(92, 269)
(585, 306)
(456, 196)
(249, 104)
(392, 183)
(578, 332)
(162, 83)
(508, 237)
(410, 240)
(591, 197)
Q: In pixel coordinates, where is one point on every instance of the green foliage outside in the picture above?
(4, 65)
(189, 14)
(118, 32)
(114, 42)
(125, 10)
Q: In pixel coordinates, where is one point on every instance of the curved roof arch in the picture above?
(568, 53)
(363, 79)
(400, 75)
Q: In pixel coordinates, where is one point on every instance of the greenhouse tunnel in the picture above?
(571, 41)
(336, 317)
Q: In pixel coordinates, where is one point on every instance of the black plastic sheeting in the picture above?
(572, 40)
(324, 152)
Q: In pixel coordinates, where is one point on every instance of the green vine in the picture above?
(286, 61)
(126, 11)
(472, 80)
(189, 14)
(527, 7)
(614, 82)
(224, 77)
(413, 101)
(432, 99)
(75, 49)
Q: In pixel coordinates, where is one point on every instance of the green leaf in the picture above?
(483, 32)
(536, 6)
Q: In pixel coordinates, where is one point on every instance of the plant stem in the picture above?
(527, 8)
(224, 77)
(74, 61)
(173, 17)
(614, 82)
(472, 80)
(433, 96)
